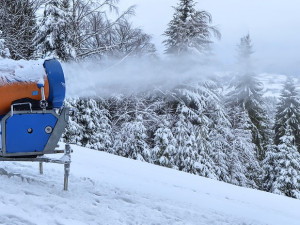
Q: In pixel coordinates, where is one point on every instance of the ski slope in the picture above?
(106, 189)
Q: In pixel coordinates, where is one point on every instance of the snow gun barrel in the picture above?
(31, 108)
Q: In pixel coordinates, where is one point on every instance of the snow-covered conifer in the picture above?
(95, 123)
(133, 140)
(189, 31)
(288, 112)
(287, 167)
(4, 51)
(53, 37)
(245, 169)
(205, 164)
(248, 95)
(245, 48)
(164, 150)
(269, 166)
(91, 127)
(194, 100)
(75, 129)
(186, 150)
(220, 136)
(104, 131)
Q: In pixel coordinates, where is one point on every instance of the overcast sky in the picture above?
(274, 26)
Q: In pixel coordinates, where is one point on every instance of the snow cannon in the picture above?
(31, 107)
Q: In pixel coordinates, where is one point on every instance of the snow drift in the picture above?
(21, 71)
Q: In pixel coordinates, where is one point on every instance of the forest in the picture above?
(219, 126)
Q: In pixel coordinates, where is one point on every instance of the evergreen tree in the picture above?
(288, 112)
(245, 48)
(75, 130)
(133, 141)
(189, 31)
(105, 142)
(244, 165)
(219, 137)
(4, 51)
(287, 168)
(53, 37)
(205, 165)
(91, 126)
(18, 24)
(164, 150)
(269, 166)
(186, 158)
(248, 95)
(96, 126)
(198, 103)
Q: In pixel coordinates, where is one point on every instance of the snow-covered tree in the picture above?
(269, 166)
(91, 30)
(245, 48)
(130, 41)
(205, 165)
(91, 127)
(288, 112)
(104, 141)
(53, 37)
(4, 51)
(186, 150)
(164, 150)
(244, 166)
(132, 142)
(75, 129)
(194, 104)
(97, 130)
(247, 93)
(287, 167)
(190, 30)
(220, 136)
(18, 24)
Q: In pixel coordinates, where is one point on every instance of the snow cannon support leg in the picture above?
(41, 168)
(67, 166)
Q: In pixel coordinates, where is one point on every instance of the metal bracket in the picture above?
(65, 160)
(24, 103)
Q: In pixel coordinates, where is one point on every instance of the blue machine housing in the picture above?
(17, 129)
(57, 87)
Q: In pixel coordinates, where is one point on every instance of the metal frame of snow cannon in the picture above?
(65, 160)
(29, 133)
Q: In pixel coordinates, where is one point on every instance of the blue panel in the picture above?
(57, 88)
(17, 137)
(35, 93)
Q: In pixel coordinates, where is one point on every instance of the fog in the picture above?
(272, 24)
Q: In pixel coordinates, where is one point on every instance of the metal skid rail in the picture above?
(65, 160)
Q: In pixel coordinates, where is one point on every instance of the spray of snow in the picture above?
(92, 78)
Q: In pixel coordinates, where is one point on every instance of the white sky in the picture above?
(273, 24)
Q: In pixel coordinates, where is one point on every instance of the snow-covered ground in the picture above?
(107, 189)
(273, 83)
